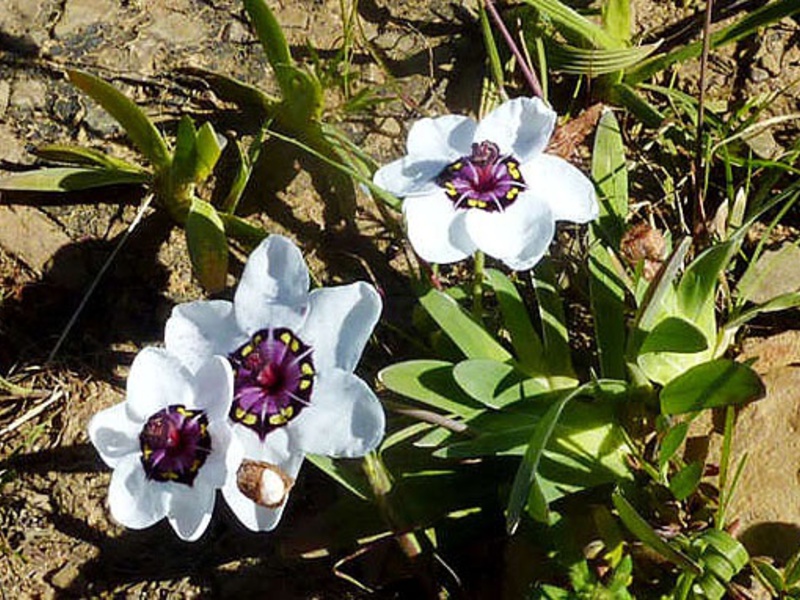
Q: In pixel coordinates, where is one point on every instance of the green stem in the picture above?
(477, 286)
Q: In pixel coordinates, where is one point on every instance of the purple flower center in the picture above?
(484, 180)
(273, 379)
(175, 443)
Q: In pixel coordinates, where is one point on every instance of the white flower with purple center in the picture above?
(293, 354)
(169, 443)
(487, 186)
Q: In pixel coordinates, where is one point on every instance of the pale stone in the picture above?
(79, 14)
(30, 236)
(28, 94)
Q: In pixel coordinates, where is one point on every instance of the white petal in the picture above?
(190, 509)
(436, 229)
(569, 192)
(273, 289)
(157, 380)
(134, 501)
(252, 515)
(339, 323)
(521, 127)
(519, 236)
(410, 175)
(198, 330)
(213, 387)
(442, 138)
(344, 419)
(115, 434)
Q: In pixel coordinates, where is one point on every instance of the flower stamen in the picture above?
(175, 443)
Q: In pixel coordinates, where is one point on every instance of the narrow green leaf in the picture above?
(709, 587)
(239, 229)
(185, 155)
(792, 570)
(139, 128)
(769, 576)
(718, 566)
(470, 337)
(685, 482)
(720, 382)
(698, 285)
(69, 179)
(672, 442)
(784, 302)
(430, 382)
(88, 157)
(525, 339)
(625, 95)
(208, 245)
(651, 307)
(570, 20)
(729, 547)
(554, 325)
(254, 102)
(594, 62)
(270, 34)
(610, 174)
(774, 274)
(528, 468)
(208, 152)
(607, 294)
(642, 530)
(241, 177)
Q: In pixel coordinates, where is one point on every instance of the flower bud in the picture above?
(264, 483)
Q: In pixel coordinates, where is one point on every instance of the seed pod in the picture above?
(264, 483)
(643, 243)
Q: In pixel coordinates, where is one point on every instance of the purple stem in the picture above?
(530, 76)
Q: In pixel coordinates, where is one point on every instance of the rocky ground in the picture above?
(55, 534)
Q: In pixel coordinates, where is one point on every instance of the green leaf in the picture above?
(430, 382)
(554, 325)
(570, 20)
(356, 485)
(610, 174)
(470, 337)
(720, 382)
(768, 575)
(485, 379)
(617, 20)
(774, 274)
(88, 157)
(524, 338)
(685, 482)
(786, 301)
(672, 442)
(792, 570)
(607, 294)
(184, 157)
(672, 348)
(733, 550)
(208, 152)
(270, 34)
(69, 179)
(594, 62)
(528, 469)
(651, 309)
(208, 245)
(139, 128)
(642, 530)
(625, 95)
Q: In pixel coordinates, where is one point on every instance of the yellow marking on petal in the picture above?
(170, 475)
(277, 420)
(513, 170)
(146, 452)
(286, 337)
(474, 203)
(304, 384)
(181, 410)
(512, 193)
(257, 339)
(196, 466)
(287, 412)
(295, 345)
(457, 166)
(246, 350)
(306, 368)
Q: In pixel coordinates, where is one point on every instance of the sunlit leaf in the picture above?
(208, 245)
(69, 179)
(208, 150)
(139, 128)
(593, 62)
(270, 34)
(672, 442)
(610, 174)
(720, 382)
(671, 348)
(774, 274)
(685, 482)
(89, 157)
(617, 20)
(352, 481)
(566, 17)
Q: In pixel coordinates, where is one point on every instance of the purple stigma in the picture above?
(175, 443)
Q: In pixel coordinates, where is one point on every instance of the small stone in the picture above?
(757, 75)
(99, 121)
(65, 576)
(28, 94)
(235, 32)
(79, 14)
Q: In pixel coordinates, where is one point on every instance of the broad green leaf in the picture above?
(709, 587)
(524, 338)
(430, 382)
(554, 326)
(685, 482)
(672, 348)
(792, 570)
(570, 20)
(610, 174)
(208, 245)
(185, 155)
(270, 34)
(244, 231)
(208, 151)
(139, 128)
(607, 294)
(594, 62)
(241, 177)
(720, 382)
(69, 179)
(356, 484)
(528, 469)
(642, 530)
(773, 275)
(718, 565)
(617, 21)
(770, 12)
(727, 546)
(484, 379)
(651, 309)
(470, 337)
(672, 442)
(769, 575)
(89, 157)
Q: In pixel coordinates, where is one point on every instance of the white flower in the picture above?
(487, 186)
(169, 443)
(293, 354)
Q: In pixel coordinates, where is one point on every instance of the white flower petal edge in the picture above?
(345, 418)
(436, 229)
(569, 192)
(339, 322)
(521, 127)
(274, 286)
(519, 236)
(158, 380)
